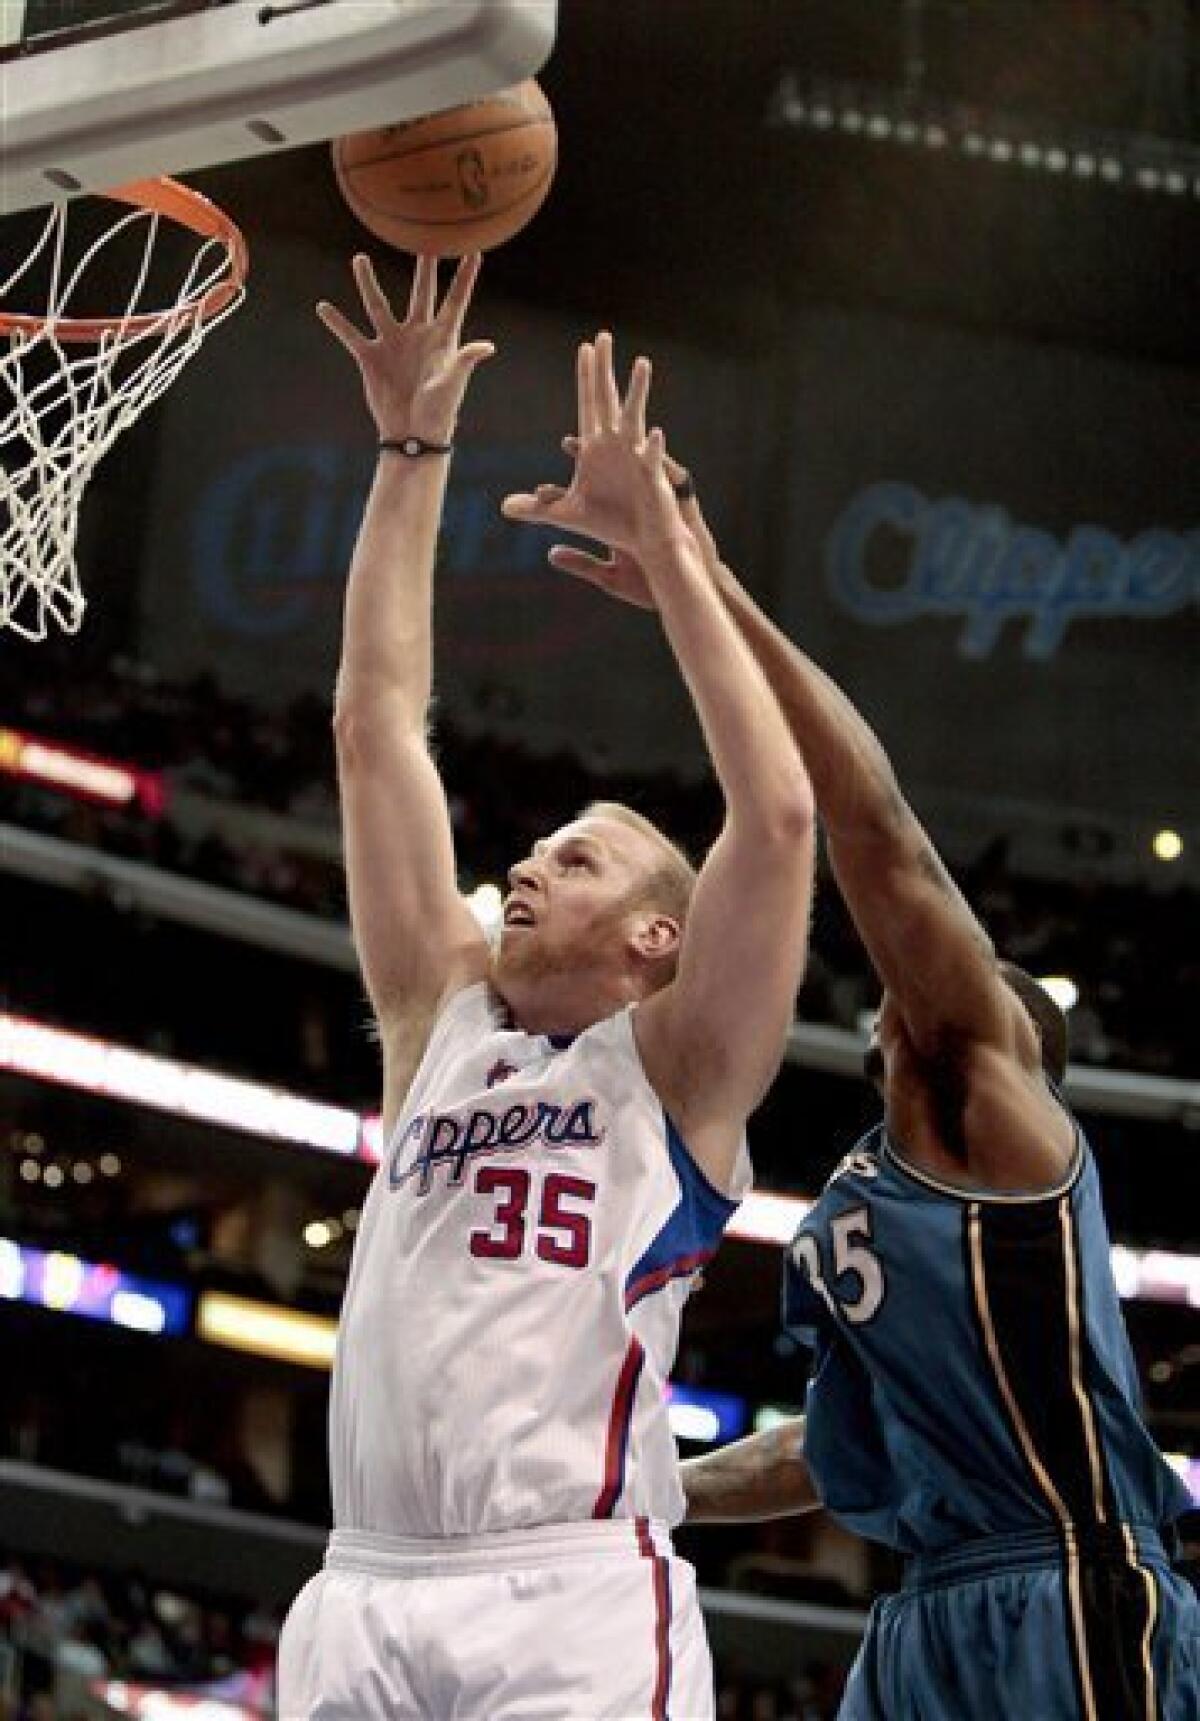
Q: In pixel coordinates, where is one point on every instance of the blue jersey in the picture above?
(972, 1375)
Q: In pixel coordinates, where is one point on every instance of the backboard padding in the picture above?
(105, 102)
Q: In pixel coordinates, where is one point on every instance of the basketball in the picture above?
(449, 183)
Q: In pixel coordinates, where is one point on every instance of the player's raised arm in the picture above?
(712, 1040)
(416, 938)
(763, 1476)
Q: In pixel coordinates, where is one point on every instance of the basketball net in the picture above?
(70, 385)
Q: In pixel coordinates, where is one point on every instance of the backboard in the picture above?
(94, 93)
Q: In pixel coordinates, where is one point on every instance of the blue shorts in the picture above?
(1007, 1627)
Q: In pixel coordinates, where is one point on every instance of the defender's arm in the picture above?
(764, 1476)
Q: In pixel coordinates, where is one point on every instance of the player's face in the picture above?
(570, 895)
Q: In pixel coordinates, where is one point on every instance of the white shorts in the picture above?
(573, 1622)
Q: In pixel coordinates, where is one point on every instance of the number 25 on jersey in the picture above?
(853, 1259)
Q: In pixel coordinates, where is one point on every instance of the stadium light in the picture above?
(485, 903)
(115, 1072)
(87, 775)
(263, 1329)
(1061, 988)
(889, 113)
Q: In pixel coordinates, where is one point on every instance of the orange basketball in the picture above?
(459, 181)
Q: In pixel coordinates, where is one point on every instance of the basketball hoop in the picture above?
(69, 385)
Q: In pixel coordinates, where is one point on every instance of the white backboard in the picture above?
(166, 86)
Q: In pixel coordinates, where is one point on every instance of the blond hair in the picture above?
(669, 884)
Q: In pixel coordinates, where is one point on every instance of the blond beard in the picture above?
(527, 967)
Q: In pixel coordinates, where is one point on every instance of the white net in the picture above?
(69, 387)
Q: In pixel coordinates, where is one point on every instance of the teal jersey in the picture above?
(971, 1371)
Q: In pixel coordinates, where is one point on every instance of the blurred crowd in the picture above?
(1119, 942)
(66, 1619)
(812, 1695)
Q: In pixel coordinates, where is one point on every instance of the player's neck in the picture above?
(566, 1004)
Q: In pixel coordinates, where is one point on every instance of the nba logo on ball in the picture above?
(472, 179)
(459, 181)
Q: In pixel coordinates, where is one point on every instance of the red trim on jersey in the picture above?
(673, 1270)
(618, 1430)
(662, 1620)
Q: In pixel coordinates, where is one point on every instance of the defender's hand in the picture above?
(414, 372)
(620, 574)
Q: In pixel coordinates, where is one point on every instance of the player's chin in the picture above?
(511, 939)
(515, 952)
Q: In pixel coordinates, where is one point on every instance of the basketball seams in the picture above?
(466, 218)
(523, 124)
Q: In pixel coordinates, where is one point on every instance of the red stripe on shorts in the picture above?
(662, 1620)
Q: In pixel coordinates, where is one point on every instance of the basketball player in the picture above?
(973, 1400)
(564, 1120)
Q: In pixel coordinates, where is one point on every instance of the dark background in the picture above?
(828, 314)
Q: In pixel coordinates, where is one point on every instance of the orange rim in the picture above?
(189, 209)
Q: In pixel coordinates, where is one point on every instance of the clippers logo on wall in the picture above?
(273, 532)
(894, 555)
(992, 544)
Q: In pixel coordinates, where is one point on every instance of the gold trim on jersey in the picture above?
(1087, 1415)
(979, 1280)
(999, 1197)
(1151, 1621)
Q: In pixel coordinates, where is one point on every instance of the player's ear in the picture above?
(655, 936)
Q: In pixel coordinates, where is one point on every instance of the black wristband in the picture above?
(412, 447)
(685, 490)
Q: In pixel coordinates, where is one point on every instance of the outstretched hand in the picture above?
(620, 573)
(415, 371)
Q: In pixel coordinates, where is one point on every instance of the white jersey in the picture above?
(513, 1305)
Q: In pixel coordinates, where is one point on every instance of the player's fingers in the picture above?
(677, 472)
(341, 328)
(581, 563)
(458, 295)
(546, 493)
(656, 490)
(570, 447)
(375, 300)
(608, 396)
(654, 451)
(633, 411)
(585, 377)
(477, 353)
(422, 298)
(522, 505)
